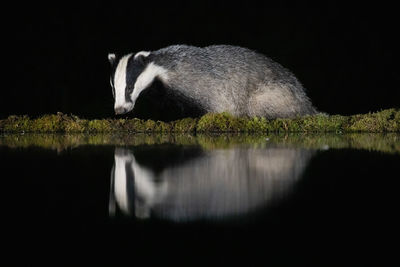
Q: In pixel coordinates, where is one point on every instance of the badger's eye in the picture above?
(129, 89)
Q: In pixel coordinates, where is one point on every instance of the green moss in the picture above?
(221, 122)
(100, 126)
(317, 123)
(162, 127)
(14, 123)
(387, 142)
(384, 121)
(133, 125)
(257, 124)
(185, 125)
(149, 126)
(74, 124)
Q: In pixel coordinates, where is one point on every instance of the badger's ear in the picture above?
(111, 58)
(141, 56)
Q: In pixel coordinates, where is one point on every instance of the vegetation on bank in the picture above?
(383, 121)
(382, 142)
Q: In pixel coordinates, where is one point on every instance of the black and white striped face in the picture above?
(130, 75)
(123, 78)
(134, 187)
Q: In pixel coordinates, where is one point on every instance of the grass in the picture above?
(382, 142)
(379, 122)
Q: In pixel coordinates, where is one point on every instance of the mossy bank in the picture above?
(382, 142)
(383, 121)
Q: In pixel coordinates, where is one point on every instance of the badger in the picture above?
(217, 78)
(202, 185)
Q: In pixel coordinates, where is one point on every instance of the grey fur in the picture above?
(234, 79)
(211, 185)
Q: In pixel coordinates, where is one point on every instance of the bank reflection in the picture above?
(188, 183)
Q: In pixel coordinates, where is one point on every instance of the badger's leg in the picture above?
(273, 101)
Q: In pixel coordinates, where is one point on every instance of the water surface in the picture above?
(278, 200)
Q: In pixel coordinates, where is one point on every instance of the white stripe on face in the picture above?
(147, 77)
(120, 183)
(142, 183)
(120, 81)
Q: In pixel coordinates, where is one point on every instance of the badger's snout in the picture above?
(121, 110)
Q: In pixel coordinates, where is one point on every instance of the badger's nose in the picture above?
(120, 110)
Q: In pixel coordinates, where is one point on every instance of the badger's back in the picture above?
(233, 79)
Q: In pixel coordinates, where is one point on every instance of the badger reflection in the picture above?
(181, 184)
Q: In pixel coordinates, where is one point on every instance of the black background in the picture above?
(56, 56)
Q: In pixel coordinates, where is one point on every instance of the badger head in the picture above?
(130, 75)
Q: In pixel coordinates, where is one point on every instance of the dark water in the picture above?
(265, 202)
